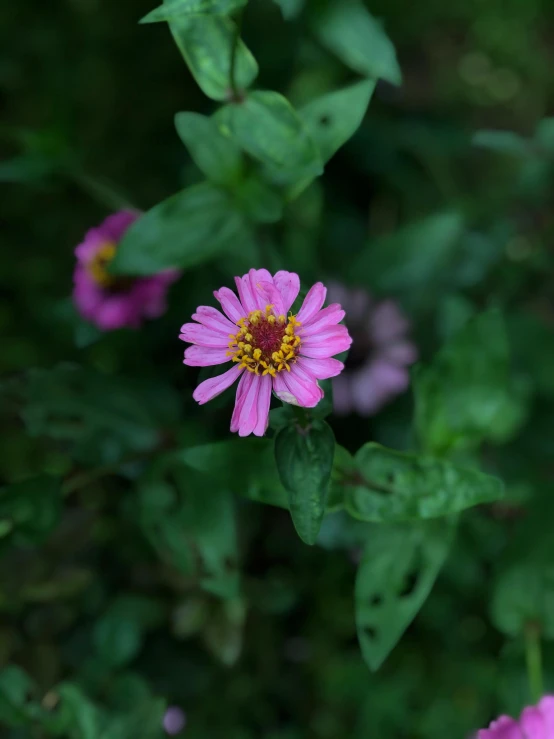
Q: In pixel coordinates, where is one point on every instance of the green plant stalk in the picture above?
(533, 657)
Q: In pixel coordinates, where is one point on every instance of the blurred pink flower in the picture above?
(535, 722)
(174, 720)
(269, 350)
(377, 365)
(113, 302)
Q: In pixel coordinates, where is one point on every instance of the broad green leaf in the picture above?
(118, 636)
(16, 687)
(174, 8)
(206, 45)
(333, 118)
(75, 716)
(349, 30)
(267, 127)
(391, 486)
(290, 8)
(544, 136)
(524, 595)
(398, 570)
(504, 142)
(215, 155)
(413, 256)
(259, 201)
(466, 395)
(187, 229)
(30, 509)
(304, 458)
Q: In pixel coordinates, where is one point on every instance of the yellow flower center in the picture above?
(97, 267)
(265, 343)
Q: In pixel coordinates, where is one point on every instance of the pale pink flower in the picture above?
(270, 349)
(115, 302)
(174, 720)
(535, 722)
(377, 366)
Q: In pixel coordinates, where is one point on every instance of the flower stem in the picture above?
(533, 657)
(232, 69)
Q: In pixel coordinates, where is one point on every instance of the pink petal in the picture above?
(387, 322)
(201, 356)
(327, 317)
(216, 385)
(196, 334)
(504, 728)
(532, 724)
(399, 352)
(272, 296)
(326, 345)
(248, 401)
(264, 399)
(248, 300)
(244, 384)
(256, 277)
(312, 302)
(214, 320)
(230, 304)
(291, 388)
(321, 369)
(546, 706)
(288, 284)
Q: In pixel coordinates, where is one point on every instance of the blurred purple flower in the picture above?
(377, 366)
(174, 720)
(113, 302)
(535, 722)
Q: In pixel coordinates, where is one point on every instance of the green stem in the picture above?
(233, 65)
(533, 656)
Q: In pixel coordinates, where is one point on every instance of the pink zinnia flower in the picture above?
(535, 722)
(114, 302)
(270, 351)
(377, 367)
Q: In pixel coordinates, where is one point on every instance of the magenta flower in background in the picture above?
(114, 302)
(535, 722)
(174, 720)
(269, 350)
(377, 366)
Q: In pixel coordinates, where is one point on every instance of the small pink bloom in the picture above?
(113, 302)
(377, 367)
(535, 722)
(271, 350)
(174, 720)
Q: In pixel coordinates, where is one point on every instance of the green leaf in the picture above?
(333, 118)
(118, 635)
(398, 570)
(504, 142)
(31, 509)
(304, 458)
(523, 595)
(224, 633)
(16, 687)
(267, 127)
(206, 44)
(413, 256)
(215, 155)
(349, 30)
(391, 486)
(187, 229)
(174, 8)
(290, 8)
(76, 716)
(259, 201)
(466, 394)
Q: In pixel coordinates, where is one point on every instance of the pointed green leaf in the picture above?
(304, 458)
(333, 118)
(174, 8)
(215, 155)
(206, 44)
(397, 572)
(267, 127)
(349, 30)
(291, 8)
(187, 229)
(391, 486)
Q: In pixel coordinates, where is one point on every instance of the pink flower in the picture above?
(535, 722)
(269, 351)
(377, 366)
(113, 302)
